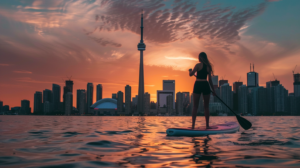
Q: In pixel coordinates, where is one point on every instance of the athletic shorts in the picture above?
(201, 87)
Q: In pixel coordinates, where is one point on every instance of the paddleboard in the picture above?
(229, 127)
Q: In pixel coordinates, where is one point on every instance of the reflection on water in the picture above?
(105, 141)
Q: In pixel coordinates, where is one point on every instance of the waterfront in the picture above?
(106, 141)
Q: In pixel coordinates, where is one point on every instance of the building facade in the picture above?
(81, 101)
(226, 96)
(68, 103)
(56, 97)
(127, 99)
(25, 107)
(89, 96)
(38, 103)
(120, 101)
(99, 92)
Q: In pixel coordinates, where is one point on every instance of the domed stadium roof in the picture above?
(106, 103)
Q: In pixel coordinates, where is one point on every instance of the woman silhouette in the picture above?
(202, 86)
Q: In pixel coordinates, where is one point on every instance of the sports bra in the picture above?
(202, 74)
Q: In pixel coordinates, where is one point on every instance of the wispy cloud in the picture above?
(182, 58)
(30, 80)
(5, 64)
(23, 72)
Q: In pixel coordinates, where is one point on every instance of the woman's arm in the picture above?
(192, 72)
(211, 83)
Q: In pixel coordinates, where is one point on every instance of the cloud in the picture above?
(5, 64)
(30, 80)
(103, 42)
(23, 71)
(182, 58)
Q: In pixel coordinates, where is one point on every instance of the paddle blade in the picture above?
(243, 122)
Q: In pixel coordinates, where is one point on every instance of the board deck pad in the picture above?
(229, 127)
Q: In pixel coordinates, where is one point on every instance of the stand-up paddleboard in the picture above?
(229, 127)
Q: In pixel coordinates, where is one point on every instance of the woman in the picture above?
(201, 85)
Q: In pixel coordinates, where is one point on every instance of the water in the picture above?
(95, 141)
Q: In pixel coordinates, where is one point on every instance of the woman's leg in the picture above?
(196, 98)
(206, 109)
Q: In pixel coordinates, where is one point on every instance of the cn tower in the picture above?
(141, 47)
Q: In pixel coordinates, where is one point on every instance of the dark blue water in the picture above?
(87, 141)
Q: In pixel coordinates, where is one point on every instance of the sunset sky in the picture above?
(44, 42)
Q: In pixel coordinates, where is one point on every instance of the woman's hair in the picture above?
(205, 61)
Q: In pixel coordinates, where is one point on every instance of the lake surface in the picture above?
(105, 141)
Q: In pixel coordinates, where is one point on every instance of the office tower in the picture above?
(38, 104)
(99, 92)
(293, 104)
(280, 94)
(5, 108)
(236, 86)
(179, 103)
(134, 103)
(146, 103)
(47, 108)
(120, 101)
(252, 78)
(296, 85)
(25, 107)
(89, 96)
(15, 110)
(169, 104)
(221, 82)
(127, 100)
(162, 100)
(68, 88)
(215, 80)
(186, 102)
(215, 107)
(262, 96)
(47, 96)
(1, 105)
(56, 97)
(114, 96)
(152, 105)
(169, 85)
(68, 103)
(243, 99)
(252, 100)
(81, 101)
(226, 96)
(141, 48)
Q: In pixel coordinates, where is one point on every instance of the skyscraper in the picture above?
(179, 103)
(47, 95)
(1, 105)
(236, 86)
(170, 104)
(215, 80)
(186, 102)
(56, 97)
(252, 78)
(68, 88)
(141, 48)
(68, 103)
(38, 104)
(25, 107)
(169, 85)
(226, 96)
(89, 97)
(127, 99)
(120, 101)
(146, 103)
(47, 107)
(253, 100)
(221, 82)
(243, 99)
(297, 85)
(81, 101)
(99, 92)
(262, 108)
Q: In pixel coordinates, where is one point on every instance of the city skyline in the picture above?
(106, 56)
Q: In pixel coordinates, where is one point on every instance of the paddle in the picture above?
(242, 121)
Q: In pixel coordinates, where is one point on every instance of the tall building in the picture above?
(47, 96)
(162, 100)
(56, 97)
(127, 100)
(236, 86)
(215, 80)
(99, 92)
(280, 94)
(141, 47)
(120, 101)
(5, 108)
(243, 99)
(68, 88)
(89, 96)
(226, 96)
(1, 105)
(47, 107)
(114, 96)
(146, 103)
(186, 102)
(262, 96)
(68, 103)
(170, 104)
(81, 101)
(25, 107)
(134, 103)
(179, 103)
(297, 85)
(38, 104)
(169, 85)
(221, 82)
(253, 100)
(252, 78)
